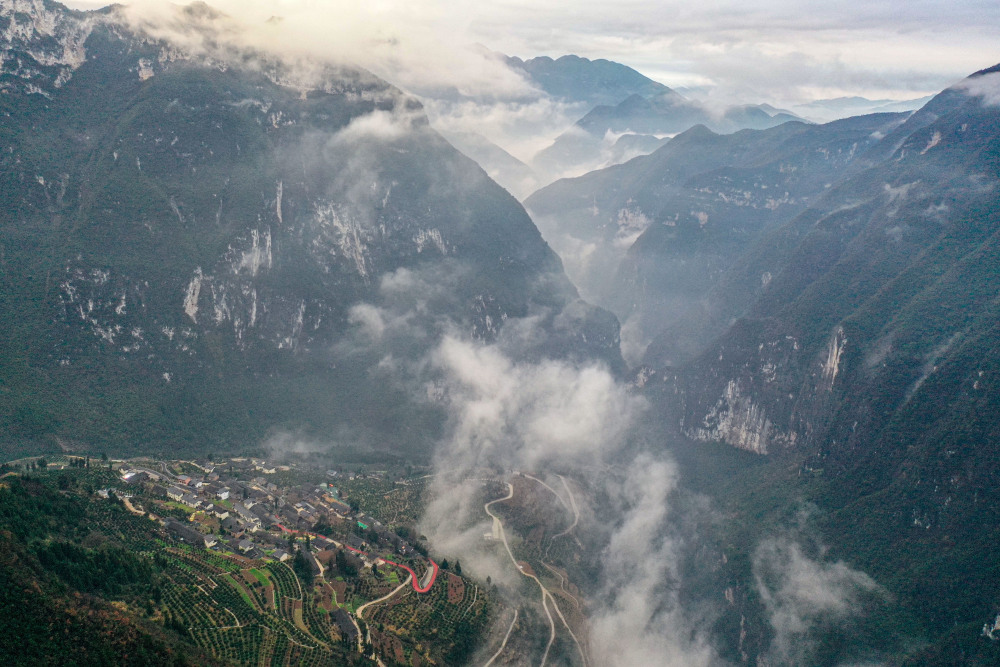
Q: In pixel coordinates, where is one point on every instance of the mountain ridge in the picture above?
(662, 115)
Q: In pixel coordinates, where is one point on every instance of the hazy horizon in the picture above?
(749, 52)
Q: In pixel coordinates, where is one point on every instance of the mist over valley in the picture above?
(349, 340)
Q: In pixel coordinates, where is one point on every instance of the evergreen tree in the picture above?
(341, 561)
(301, 567)
(343, 566)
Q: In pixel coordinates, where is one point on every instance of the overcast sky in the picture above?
(781, 51)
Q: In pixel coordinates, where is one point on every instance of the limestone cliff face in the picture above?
(41, 44)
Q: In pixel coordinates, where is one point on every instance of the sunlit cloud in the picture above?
(789, 50)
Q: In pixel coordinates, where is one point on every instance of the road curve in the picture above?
(383, 598)
(553, 491)
(576, 510)
(413, 575)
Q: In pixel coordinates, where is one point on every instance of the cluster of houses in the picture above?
(254, 514)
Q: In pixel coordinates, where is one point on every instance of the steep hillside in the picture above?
(888, 271)
(63, 604)
(823, 298)
(504, 168)
(868, 364)
(188, 233)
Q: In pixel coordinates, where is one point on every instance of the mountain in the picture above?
(583, 147)
(203, 244)
(866, 366)
(826, 304)
(649, 239)
(843, 107)
(669, 113)
(592, 82)
(899, 234)
(904, 105)
(619, 114)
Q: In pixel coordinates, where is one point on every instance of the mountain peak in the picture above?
(573, 78)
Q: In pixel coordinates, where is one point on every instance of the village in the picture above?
(261, 562)
(305, 563)
(232, 506)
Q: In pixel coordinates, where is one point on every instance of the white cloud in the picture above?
(530, 415)
(553, 417)
(985, 87)
(380, 125)
(417, 47)
(520, 126)
(369, 318)
(786, 50)
(802, 595)
(638, 620)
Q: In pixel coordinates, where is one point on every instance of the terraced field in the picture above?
(435, 626)
(252, 612)
(259, 612)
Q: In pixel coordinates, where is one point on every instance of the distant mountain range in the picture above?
(843, 107)
(650, 238)
(622, 114)
(568, 85)
(630, 114)
(652, 119)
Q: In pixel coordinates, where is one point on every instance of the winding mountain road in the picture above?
(576, 510)
(546, 595)
(360, 610)
(570, 507)
(498, 528)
